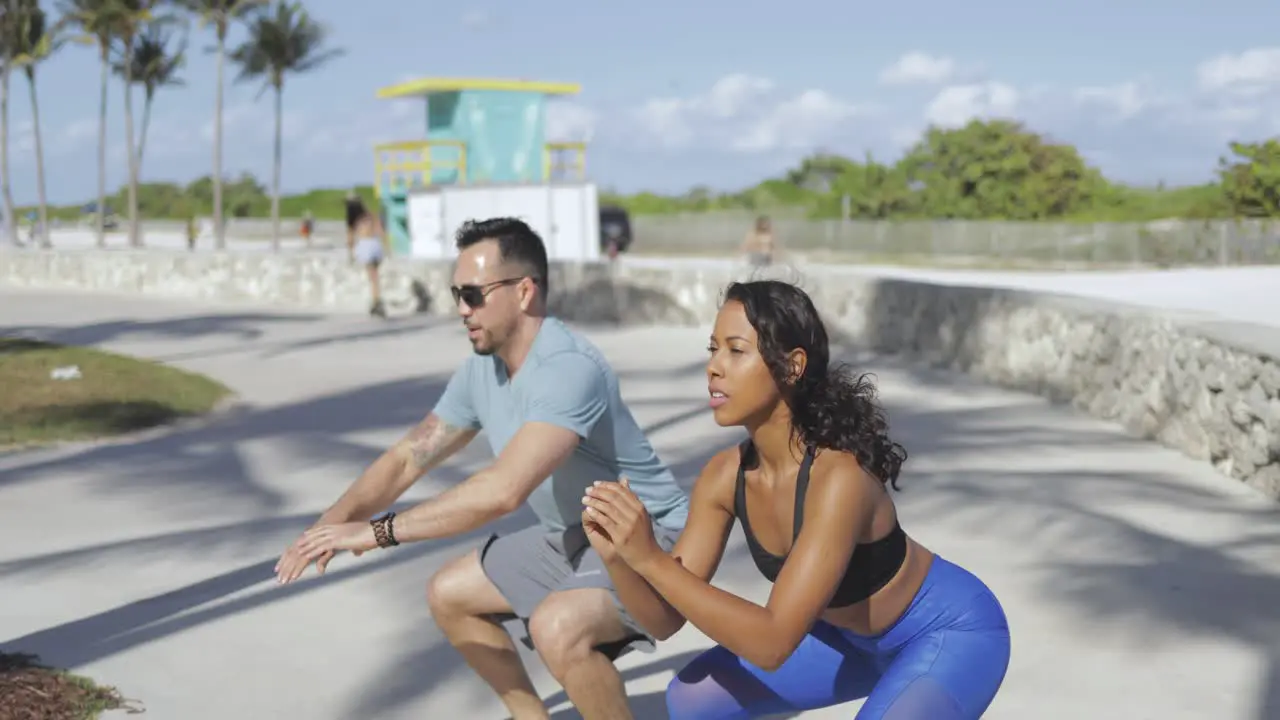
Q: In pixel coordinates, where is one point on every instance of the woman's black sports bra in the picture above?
(873, 564)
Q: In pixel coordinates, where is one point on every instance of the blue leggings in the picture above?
(944, 659)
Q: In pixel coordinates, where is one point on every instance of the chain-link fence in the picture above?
(945, 242)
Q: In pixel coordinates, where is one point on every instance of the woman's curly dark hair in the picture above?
(831, 407)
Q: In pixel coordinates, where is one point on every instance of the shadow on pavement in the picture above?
(1109, 568)
(93, 638)
(239, 326)
(187, 467)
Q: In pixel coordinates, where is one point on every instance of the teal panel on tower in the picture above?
(443, 124)
(502, 130)
(395, 218)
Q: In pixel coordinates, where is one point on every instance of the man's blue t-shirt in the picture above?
(565, 381)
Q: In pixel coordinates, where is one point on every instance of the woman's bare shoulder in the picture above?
(842, 467)
(717, 478)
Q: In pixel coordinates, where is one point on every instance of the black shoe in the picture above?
(378, 310)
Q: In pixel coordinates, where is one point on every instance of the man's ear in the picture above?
(528, 293)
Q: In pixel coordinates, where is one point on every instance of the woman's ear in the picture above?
(797, 361)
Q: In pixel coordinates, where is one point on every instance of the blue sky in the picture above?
(714, 93)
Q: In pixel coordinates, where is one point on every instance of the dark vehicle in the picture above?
(615, 228)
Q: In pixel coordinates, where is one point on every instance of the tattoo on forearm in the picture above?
(432, 441)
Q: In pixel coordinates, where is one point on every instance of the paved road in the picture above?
(1139, 584)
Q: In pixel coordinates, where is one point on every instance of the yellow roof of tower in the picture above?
(425, 86)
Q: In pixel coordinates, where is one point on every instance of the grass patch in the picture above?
(113, 394)
(32, 691)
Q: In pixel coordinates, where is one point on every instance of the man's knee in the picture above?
(461, 588)
(568, 625)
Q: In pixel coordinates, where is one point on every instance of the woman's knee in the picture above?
(949, 676)
(699, 691)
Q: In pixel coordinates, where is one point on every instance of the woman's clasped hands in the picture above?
(617, 524)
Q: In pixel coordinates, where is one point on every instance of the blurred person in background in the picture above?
(760, 246)
(308, 227)
(367, 243)
(355, 210)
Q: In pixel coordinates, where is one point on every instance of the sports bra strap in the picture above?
(802, 489)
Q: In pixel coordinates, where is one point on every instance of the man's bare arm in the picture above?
(499, 489)
(421, 450)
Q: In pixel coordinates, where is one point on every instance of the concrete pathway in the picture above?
(1139, 584)
(1239, 294)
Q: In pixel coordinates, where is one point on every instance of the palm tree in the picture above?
(95, 22)
(10, 20)
(32, 41)
(130, 19)
(283, 41)
(220, 14)
(153, 67)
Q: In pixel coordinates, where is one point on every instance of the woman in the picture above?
(367, 243)
(857, 609)
(355, 209)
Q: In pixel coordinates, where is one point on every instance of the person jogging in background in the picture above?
(550, 405)
(355, 209)
(760, 245)
(858, 609)
(307, 228)
(369, 246)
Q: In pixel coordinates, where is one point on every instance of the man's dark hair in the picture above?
(518, 245)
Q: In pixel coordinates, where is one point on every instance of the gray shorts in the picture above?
(529, 565)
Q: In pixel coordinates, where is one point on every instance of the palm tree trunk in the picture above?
(40, 181)
(275, 170)
(11, 222)
(219, 229)
(146, 122)
(135, 238)
(102, 147)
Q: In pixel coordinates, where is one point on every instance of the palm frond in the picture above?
(152, 63)
(283, 40)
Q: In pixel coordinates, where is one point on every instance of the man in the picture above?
(550, 405)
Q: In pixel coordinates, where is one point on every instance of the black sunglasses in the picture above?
(475, 295)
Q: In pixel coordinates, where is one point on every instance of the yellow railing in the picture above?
(411, 164)
(564, 161)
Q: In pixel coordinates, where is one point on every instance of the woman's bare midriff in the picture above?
(880, 611)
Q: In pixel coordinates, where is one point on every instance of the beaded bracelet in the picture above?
(384, 532)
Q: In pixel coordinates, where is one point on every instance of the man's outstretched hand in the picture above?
(305, 550)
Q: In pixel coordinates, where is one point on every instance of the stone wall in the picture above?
(1209, 390)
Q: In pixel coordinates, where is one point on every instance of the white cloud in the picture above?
(22, 136)
(905, 136)
(956, 105)
(746, 114)
(479, 20)
(1236, 97)
(234, 116)
(570, 122)
(1250, 72)
(1123, 101)
(918, 68)
(81, 131)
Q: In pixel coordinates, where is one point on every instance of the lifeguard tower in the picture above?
(485, 153)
